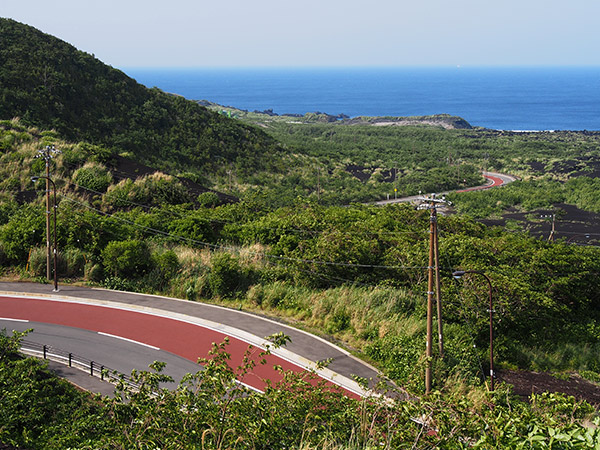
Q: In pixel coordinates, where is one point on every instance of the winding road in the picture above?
(127, 331)
(493, 179)
(143, 328)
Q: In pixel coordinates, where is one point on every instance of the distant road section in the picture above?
(493, 179)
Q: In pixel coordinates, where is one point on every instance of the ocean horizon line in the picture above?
(372, 67)
(504, 98)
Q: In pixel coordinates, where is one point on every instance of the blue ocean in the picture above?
(508, 98)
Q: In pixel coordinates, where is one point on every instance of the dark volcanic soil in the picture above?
(571, 224)
(525, 383)
(127, 168)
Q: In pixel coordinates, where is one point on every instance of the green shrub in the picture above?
(155, 189)
(401, 356)
(167, 263)
(71, 263)
(193, 288)
(159, 188)
(37, 262)
(165, 266)
(3, 257)
(208, 199)
(226, 278)
(120, 195)
(119, 284)
(256, 294)
(274, 294)
(590, 375)
(339, 321)
(73, 157)
(25, 229)
(94, 272)
(125, 259)
(93, 176)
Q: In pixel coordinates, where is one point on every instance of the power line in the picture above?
(293, 229)
(231, 248)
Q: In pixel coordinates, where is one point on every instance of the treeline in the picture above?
(560, 154)
(429, 159)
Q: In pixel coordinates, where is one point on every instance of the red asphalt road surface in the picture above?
(191, 341)
(496, 181)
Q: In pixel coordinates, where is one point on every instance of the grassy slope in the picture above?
(50, 84)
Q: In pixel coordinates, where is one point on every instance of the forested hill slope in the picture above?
(48, 83)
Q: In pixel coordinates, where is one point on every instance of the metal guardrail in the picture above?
(93, 368)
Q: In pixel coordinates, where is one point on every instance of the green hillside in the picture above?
(49, 84)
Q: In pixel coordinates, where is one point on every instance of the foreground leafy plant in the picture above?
(211, 410)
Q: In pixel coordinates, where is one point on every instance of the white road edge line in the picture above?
(246, 337)
(128, 340)
(14, 320)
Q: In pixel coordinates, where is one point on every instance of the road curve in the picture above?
(184, 328)
(123, 355)
(493, 179)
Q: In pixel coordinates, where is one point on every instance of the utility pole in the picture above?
(553, 217)
(431, 203)
(396, 181)
(48, 153)
(318, 184)
(55, 251)
(229, 178)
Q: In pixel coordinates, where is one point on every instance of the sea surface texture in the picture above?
(517, 98)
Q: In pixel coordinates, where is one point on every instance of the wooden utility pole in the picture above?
(429, 343)
(433, 278)
(319, 184)
(48, 272)
(438, 294)
(48, 153)
(552, 217)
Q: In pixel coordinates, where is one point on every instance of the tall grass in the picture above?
(563, 356)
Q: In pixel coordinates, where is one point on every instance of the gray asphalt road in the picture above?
(118, 354)
(303, 344)
(417, 198)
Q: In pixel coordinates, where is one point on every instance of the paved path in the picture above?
(147, 316)
(87, 346)
(493, 179)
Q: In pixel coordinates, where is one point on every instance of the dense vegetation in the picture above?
(210, 410)
(356, 272)
(412, 158)
(541, 193)
(49, 84)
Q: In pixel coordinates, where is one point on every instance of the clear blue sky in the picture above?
(193, 33)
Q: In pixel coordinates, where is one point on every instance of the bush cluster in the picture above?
(210, 409)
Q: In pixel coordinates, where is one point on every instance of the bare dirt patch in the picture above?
(526, 383)
(127, 168)
(571, 223)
